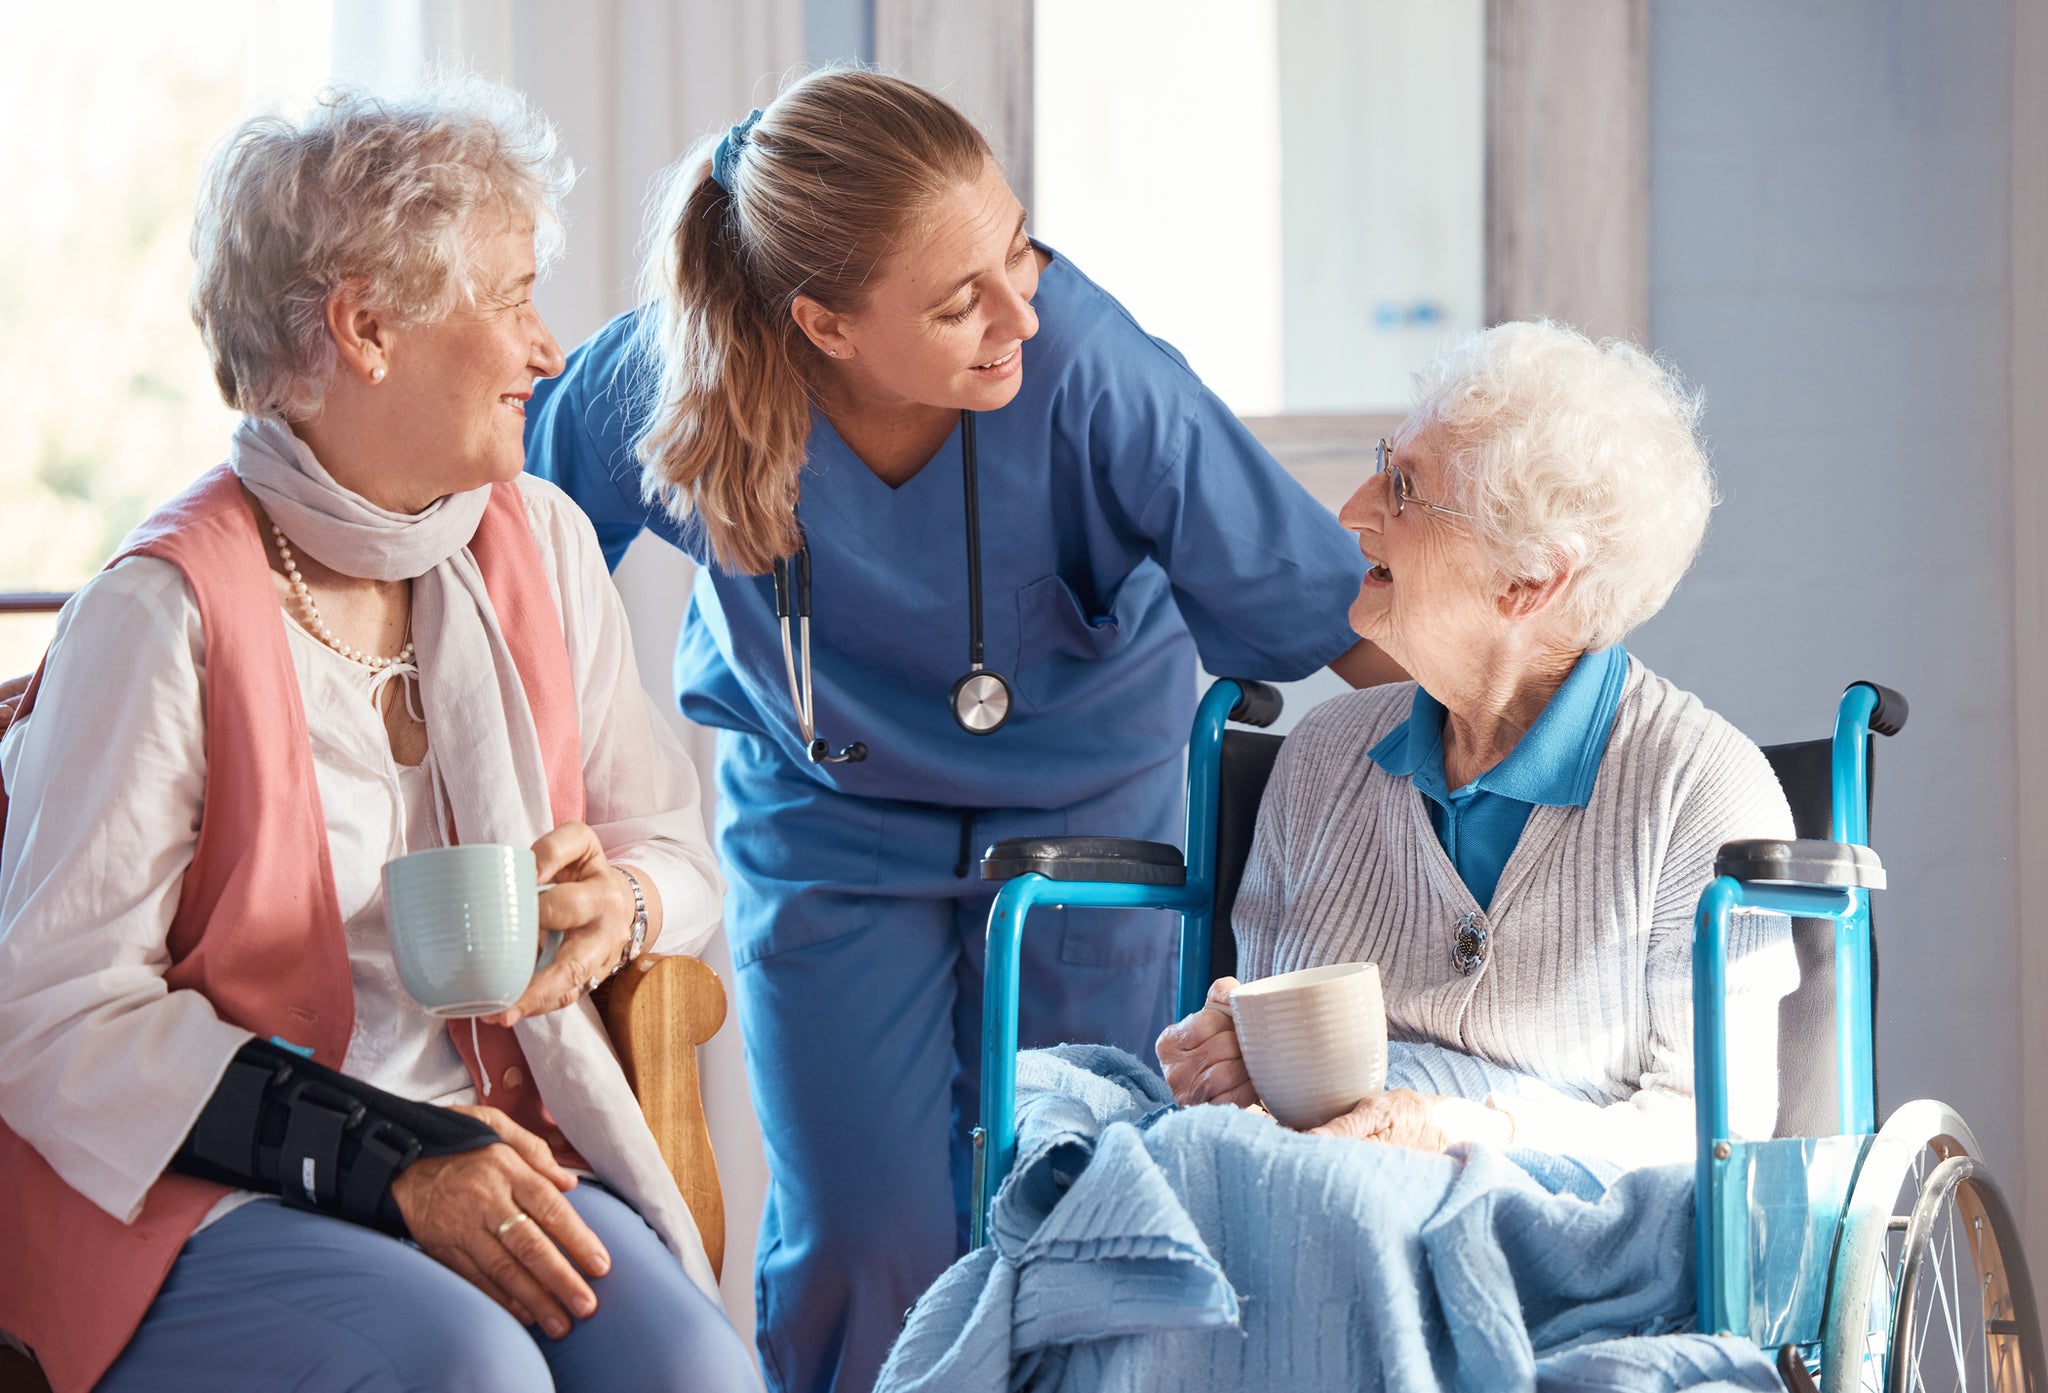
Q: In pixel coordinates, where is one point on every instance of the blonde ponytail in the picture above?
(836, 167)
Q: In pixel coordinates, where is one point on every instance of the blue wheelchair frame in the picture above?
(995, 1140)
(1775, 1292)
(1767, 1212)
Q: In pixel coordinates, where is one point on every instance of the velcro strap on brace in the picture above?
(233, 1120)
(316, 1138)
(309, 1163)
(386, 1149)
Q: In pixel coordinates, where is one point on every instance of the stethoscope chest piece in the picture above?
(981, 702)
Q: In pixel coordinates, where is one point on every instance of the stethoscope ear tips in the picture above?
(821, 753)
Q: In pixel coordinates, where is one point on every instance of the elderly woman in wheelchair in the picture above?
(1519, 838)
(1579, 886)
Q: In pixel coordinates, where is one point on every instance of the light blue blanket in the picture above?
(1137, 1246)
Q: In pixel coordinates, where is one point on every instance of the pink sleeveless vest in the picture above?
(258, 928)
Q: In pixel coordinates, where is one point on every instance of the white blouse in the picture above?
(106, 779)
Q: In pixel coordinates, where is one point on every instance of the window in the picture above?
(1291, 192)
(113, 406)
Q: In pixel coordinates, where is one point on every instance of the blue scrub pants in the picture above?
(858, 953)
(271, 1298)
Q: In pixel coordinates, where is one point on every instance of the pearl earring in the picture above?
(831, 353)
(376, 374)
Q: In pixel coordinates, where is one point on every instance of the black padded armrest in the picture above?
(1820, 864)
(1124, 859)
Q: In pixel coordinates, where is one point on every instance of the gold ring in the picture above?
(518, 1217)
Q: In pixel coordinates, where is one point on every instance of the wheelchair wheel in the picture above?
(1871, 1247)
(1965, 1315)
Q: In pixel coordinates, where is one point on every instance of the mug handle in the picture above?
(551, 939)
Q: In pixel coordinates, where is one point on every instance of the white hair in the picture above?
(392, 193)
(1573, 456)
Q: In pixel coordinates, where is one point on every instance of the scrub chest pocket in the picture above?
(1058, 641)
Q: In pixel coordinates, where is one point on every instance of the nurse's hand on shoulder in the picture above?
(10, 699)
(590, 905)
(1200, 1055)
(496, 1218)
(1366, 664)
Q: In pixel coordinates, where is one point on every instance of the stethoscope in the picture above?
(980, 699)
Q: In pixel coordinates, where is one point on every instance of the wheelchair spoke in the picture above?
(1947, 1297)
(1890, 1273)
(1944, 1308)
(1952, 1299)
(1919, 1337)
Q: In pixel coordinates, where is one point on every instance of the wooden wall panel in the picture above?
(978, 55)
(1568, 163)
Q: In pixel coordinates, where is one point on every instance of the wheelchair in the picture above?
(1866, 1257)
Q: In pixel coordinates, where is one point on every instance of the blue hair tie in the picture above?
(726, 157)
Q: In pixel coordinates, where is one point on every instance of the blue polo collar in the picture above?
(1554, 764)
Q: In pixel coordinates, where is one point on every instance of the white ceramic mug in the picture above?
(1314, 1041)
(465, 926)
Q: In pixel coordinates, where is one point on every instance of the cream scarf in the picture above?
(470, 691)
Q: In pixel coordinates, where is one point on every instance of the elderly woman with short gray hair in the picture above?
(234, 1152)
(1520, 836)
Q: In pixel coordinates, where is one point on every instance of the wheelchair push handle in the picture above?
(1258, 703)
(1865, 707)
(1888, 716)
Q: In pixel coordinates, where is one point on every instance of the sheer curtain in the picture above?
(632, 83)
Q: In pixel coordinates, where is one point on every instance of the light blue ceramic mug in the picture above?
(465, 926)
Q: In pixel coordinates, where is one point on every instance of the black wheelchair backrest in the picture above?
(1806, 1018)
(1246, 764)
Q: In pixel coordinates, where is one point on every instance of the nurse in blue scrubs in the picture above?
(1015, 520)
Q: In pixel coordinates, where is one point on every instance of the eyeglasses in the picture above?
(1404, 493)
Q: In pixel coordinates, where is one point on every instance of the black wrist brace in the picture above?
(316, 1138)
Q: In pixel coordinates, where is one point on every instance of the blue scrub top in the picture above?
(1554, 763)
(1128, 522)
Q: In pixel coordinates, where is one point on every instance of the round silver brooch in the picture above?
(1469, 950)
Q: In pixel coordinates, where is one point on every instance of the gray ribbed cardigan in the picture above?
(1587, 981)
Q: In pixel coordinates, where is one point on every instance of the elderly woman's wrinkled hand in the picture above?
(1398, 1117)
(497, 1219)
(590, 906)
(1427, 1122)
(1200, 1055)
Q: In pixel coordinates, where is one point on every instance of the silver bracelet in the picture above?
(639, 940)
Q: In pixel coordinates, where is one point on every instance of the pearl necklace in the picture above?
(318, 626)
